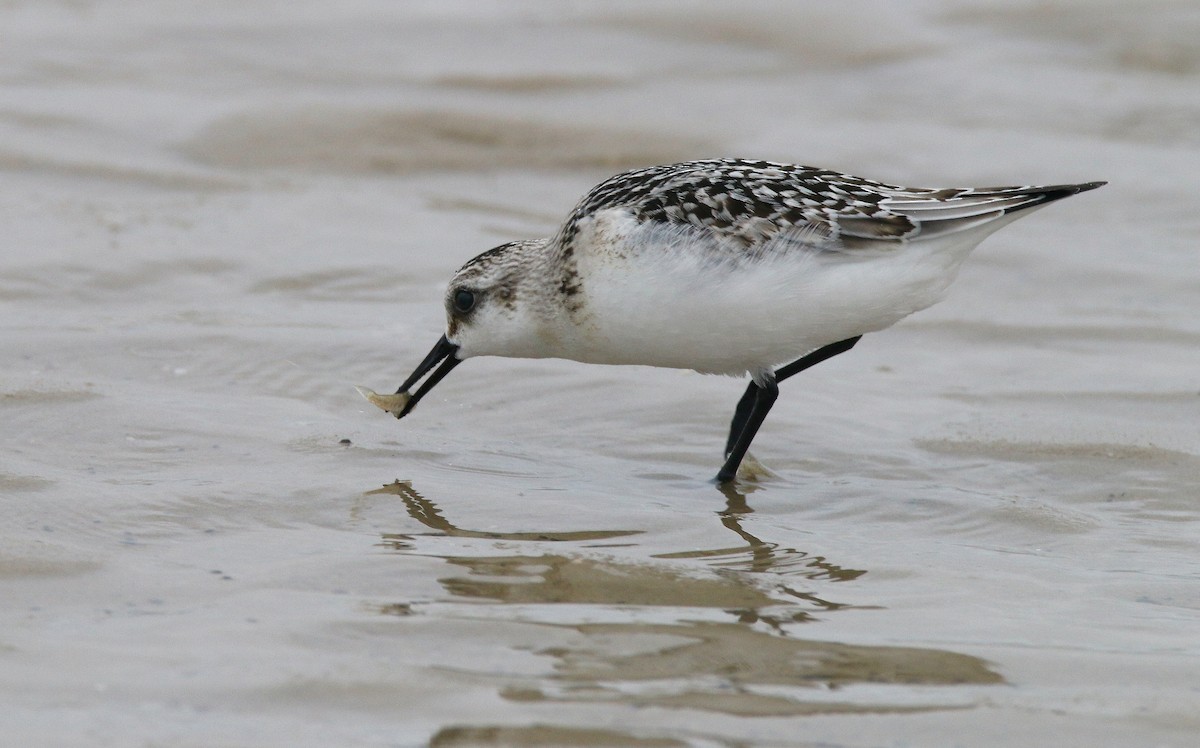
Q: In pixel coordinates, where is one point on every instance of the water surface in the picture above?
(981, 528)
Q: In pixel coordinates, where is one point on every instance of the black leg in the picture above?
(746, 406)
(764, 398)
(739, 416)
(816, 357)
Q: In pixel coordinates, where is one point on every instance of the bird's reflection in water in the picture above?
(552, 577)
(658, 634)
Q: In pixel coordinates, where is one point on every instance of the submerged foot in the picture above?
(749, 471)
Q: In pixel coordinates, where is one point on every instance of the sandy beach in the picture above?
(221, 217)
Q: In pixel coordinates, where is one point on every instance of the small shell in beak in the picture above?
(393, 404)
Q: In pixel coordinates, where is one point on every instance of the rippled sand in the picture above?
(981, 525)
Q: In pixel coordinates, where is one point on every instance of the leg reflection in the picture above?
(760, 556)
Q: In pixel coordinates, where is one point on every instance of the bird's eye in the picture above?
(464, 300)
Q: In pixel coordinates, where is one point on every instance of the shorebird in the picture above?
(723, 266)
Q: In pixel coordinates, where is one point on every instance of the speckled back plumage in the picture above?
(748, 202)
(740, 201)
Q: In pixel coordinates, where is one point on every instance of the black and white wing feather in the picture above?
(746, 203)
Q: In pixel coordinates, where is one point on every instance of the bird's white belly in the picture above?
(684, 310)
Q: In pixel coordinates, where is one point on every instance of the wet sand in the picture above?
(981, 527)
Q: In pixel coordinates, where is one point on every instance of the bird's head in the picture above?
(497, 304)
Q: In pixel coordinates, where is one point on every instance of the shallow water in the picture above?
(981, 528)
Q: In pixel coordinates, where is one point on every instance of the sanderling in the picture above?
(723, 266)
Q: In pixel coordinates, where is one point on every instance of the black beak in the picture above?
(443, 350)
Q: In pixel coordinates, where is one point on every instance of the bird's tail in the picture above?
(946, 211)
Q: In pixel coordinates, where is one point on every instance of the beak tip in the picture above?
(444, 353)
